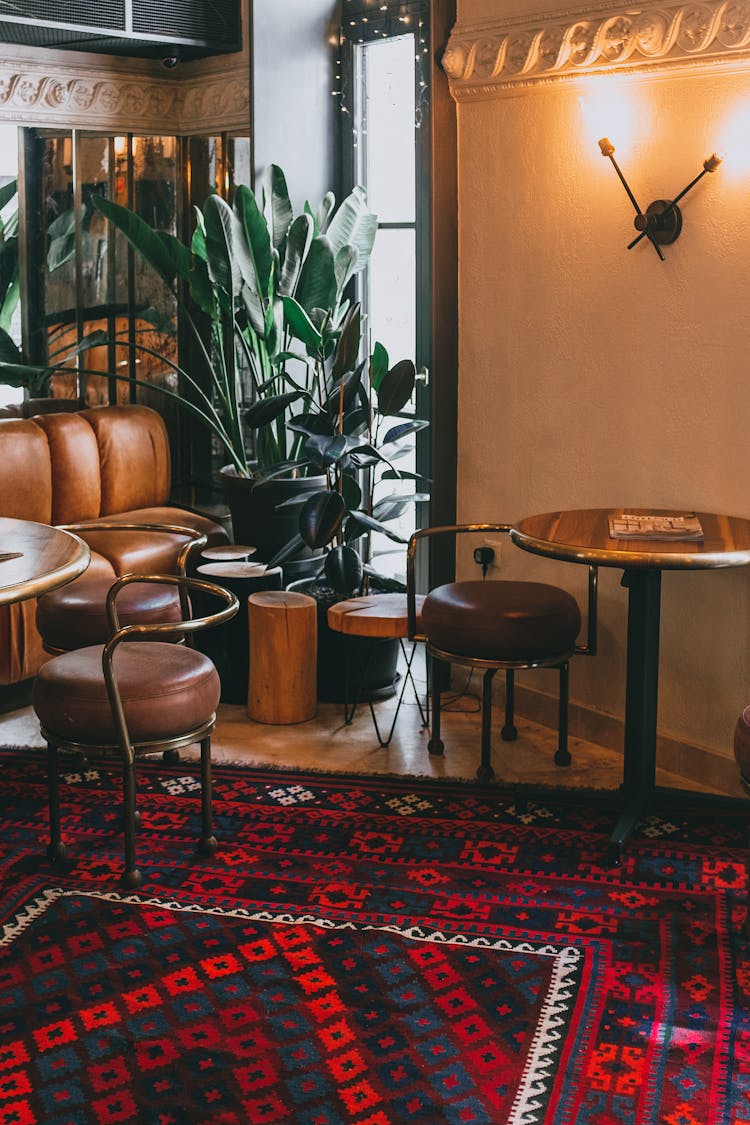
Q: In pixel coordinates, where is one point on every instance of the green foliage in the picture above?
(270, 286)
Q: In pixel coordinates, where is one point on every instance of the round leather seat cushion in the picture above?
(166, 690)
(75, 615)
(742, 746)
(501, 620)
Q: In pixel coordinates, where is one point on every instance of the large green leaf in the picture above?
(168, 256)
(256, 259)
(323, 214)
(279, 205)
(312, 423)
(411, 427)
(342, 394)
(316, 288)
(321, 518)
(343, 569)
(345, 266)
(300, 325)
(396, 388)
(201, 288)
(354, 225)
(359, 522)
(7, 191)
(221, 252)
(62, 240)
(10, 303)
(297, 247)
(268, 409)
(378, 365)
(347, 349)
(9, 353)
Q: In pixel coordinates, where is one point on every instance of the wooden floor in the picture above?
(326, 743)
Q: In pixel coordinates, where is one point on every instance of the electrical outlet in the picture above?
(495, 544)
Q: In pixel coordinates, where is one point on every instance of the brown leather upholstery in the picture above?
(133, 457)
(75, 616)
(512, 621)
(25, 471)
(105, 462)
(164, 688)
(742, 746)
(75, 455)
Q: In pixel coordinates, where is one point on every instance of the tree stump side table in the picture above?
(282, 683)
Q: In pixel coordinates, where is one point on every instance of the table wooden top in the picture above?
(375, 615)
(582, 536)
(45, 559)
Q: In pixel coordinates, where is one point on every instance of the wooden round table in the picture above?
(583, 536)
(35, 558)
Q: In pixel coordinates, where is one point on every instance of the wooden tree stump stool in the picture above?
(377, 617)
(282, 683)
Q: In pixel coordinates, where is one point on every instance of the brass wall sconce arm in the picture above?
(661, 222)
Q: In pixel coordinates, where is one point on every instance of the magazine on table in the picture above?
(631, 525)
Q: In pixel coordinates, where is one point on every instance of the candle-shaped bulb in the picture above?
(606, 146)
(712, 162)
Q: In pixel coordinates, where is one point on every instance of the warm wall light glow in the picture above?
(734, 141)
(609, 111)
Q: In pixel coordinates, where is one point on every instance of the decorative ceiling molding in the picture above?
(499, 56)
(97, 97)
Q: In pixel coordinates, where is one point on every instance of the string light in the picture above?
(366, 20)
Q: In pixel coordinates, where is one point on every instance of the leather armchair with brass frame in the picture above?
(133, 695)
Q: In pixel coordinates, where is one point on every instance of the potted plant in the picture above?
(354, 437)
(261, 292)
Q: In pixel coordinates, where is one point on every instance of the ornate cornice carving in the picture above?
(490, 58)
(95, 97)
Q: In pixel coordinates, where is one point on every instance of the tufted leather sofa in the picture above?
(108, 462)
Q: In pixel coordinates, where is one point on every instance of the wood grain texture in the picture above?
(43, 559)
(583, 536)
(282, 680)
(380, 615)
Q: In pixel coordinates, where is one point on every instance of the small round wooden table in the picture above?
(377, 617)
(583, 536)
(35, 558)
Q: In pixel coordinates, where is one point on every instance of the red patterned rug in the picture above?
(362, 950)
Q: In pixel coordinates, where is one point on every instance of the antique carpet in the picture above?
(366, 951)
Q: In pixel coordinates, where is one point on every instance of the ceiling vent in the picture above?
(170, 30)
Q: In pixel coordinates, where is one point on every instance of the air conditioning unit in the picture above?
(162, 29)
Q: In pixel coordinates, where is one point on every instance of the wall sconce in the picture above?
(661, 222)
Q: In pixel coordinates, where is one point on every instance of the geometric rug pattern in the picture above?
(369, 951)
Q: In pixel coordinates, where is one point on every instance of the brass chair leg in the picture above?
(562, 756)
(131, 877)
(485, 771)
(56, 849)
(435, 745)
(509, 733)
(207, 844)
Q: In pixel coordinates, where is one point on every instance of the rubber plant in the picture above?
(354, 433)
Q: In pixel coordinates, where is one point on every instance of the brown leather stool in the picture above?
(493, 625)
(133, 698)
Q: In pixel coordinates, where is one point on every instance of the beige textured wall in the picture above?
(591, 376)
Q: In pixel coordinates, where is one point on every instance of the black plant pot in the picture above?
(258, 521)
(347, 665)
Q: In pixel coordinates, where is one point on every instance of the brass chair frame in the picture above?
(509, 732)
(195, 539)
(127, 748)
